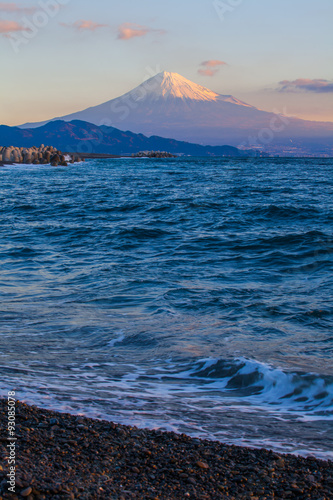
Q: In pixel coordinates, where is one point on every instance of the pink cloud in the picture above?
(126, 31)
(13, 7)
(10, 27)
(207, 72)
(85, 25)
(306, 85)
(213, 63)
(211, 68)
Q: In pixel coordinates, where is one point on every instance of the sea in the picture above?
(192, 295)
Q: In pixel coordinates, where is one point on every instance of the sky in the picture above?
(62, 56)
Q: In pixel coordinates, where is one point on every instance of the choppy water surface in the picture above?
(189, 294)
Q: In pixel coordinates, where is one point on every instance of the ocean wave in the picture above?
(308, 394)
(284, 212)
(143, 233)
(288, 240)
(239, 401)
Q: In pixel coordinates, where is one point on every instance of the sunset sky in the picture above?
(276, 55)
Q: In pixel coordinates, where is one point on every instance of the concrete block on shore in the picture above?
(38, 156)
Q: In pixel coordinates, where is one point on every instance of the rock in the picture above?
(280, 464)
(15, 156)
(153, 154)
(202, 465)
(296, 488)
(55, 159)
(26, 492)
(146, 452)
(6, 155)
(41, 155)
(27, 157)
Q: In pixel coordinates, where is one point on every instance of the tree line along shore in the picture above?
(43, 155)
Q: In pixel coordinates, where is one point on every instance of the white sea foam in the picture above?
(307, 394)
(117, 340)
(210, 398)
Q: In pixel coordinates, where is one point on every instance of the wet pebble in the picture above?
(202, 465)
(26, 492)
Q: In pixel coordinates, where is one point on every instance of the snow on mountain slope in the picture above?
(161, 89)
(166, 85)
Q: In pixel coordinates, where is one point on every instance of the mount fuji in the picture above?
(170, 106)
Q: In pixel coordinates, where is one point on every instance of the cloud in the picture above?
(84, 25)
(306, 85)
(213, 63)
(211, 68)
(126, 31)
(7, 27)
(16, 9)
(207, 72)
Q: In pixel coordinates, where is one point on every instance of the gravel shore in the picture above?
(61, 456)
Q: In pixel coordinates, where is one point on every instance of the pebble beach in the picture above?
(63, 456)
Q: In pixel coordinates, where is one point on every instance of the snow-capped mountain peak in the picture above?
(167, 84)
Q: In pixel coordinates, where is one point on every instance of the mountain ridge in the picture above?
(85, 138)
(169, 105)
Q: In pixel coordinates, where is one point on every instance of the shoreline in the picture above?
(59, 455)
